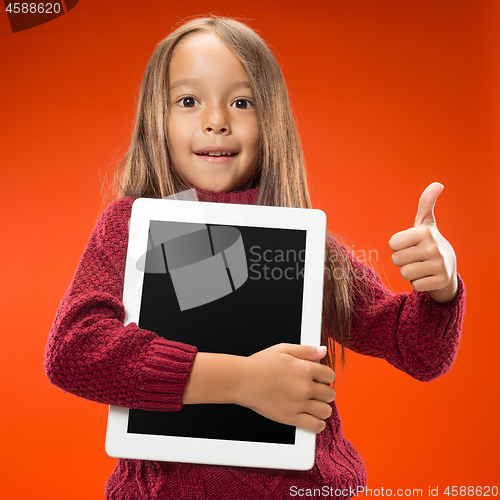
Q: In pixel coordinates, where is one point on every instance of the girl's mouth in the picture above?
(215, 155)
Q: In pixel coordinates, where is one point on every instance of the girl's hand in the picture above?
(426, 259)
(284, 384)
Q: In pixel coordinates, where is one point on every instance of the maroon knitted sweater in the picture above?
(91, 354)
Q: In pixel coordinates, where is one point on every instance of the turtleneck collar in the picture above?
(248, 197)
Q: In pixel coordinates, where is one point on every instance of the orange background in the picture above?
(389, 95)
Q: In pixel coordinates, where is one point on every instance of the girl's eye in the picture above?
(188, 102)
(242, 104)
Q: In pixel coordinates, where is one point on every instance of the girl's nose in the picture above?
(216, 122)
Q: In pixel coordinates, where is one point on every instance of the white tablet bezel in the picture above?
(299, 456)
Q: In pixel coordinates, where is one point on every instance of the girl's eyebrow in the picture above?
(193, 81)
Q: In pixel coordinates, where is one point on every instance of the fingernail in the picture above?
(321, 349)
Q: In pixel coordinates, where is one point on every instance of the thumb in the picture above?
(425, 212)
(307, 352)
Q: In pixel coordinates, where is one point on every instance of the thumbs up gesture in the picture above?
(426, 259)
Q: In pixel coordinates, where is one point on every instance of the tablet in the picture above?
(226, 278)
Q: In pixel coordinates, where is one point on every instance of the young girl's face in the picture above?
(212, 125)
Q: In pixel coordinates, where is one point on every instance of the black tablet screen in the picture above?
(234, 290)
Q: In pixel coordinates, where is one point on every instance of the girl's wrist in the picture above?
(446, 294)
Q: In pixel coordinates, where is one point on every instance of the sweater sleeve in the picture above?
(409, 330)
(91, 354)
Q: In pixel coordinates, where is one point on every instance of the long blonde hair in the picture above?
(147, 169)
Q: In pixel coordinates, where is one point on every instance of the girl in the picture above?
(214, 115)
